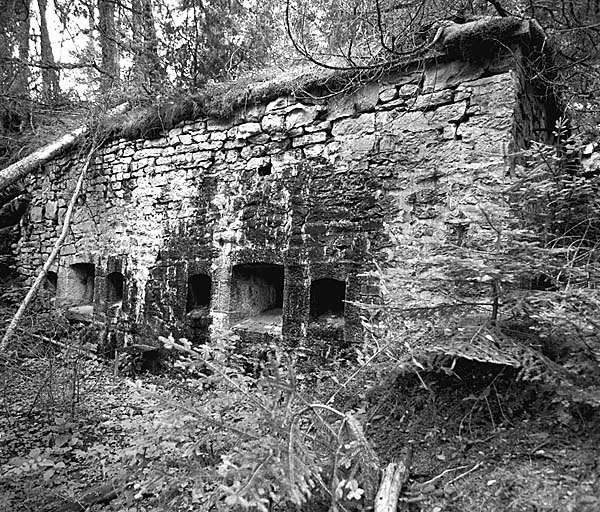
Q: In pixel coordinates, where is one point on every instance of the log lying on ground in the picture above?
(24, 166)
(394, 476)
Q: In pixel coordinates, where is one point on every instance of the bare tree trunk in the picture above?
(58, 244)
(23, 167)
(108, 43)
(14, 32)
(20, 86)
(91, 72)
(146, 64)
(50, 86)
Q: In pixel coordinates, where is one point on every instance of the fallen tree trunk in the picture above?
(394, 476)
(42, 275)
(24, 166)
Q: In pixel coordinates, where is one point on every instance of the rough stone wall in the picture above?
(322, 186)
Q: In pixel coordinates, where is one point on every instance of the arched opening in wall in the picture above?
(257, 297)
(80, 285)
(198, 292)
(327, 298)
(51, 282)
(114, 288)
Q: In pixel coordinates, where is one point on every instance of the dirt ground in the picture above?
(483, 442)
(480, 440)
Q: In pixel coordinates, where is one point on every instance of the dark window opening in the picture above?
(51, 282)
(256, 288)
(265, 169)
(198, 292)
(114, 287)
(81, 284)
(327, 297)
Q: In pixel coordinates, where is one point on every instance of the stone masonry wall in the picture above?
(324, 187)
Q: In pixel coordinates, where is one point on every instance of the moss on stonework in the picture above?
(479, 40)
(472, 41)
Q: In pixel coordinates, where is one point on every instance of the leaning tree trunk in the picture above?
(42, 274)
(23, 167)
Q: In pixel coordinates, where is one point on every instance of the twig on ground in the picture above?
(476, 466)
(435, 478)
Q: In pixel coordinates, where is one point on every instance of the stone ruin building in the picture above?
(281, 219)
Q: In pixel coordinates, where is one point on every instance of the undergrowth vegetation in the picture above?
(501, 377)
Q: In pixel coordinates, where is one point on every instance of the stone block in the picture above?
(252, 151)
(255, 163)
(314, 151)
(300, 115)
(50, 210)
(202, 156)
(273, 123)
(261, 138)
(246, 130)
(339, 107)
(36, 214)
(454, 113)
(388, 93)
(432, 100)
(354, 127)
(311, 138)
(318, 126)
(205, 137)
(217, 136)
(366, 98)
(409, 91)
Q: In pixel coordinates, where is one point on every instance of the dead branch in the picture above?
(81, 350)
(476, 466)
(394, 476)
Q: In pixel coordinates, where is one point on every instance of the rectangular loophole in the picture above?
(114, 287)
(51, 282)
(80, 285)
(199, 289)
(256, 288)
(327, 298)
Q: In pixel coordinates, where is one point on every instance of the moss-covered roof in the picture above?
(472, 41)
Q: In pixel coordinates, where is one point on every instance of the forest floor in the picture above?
(481, 443)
